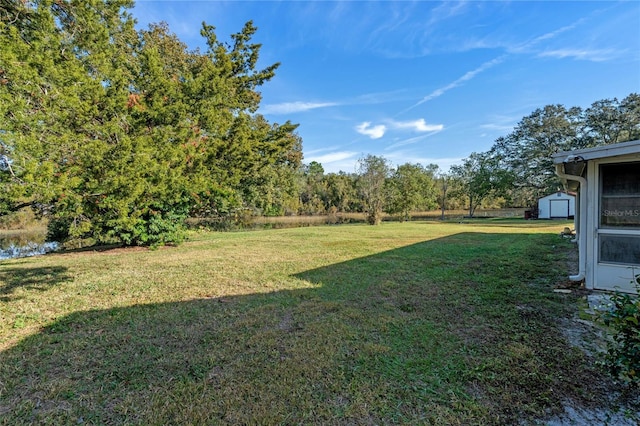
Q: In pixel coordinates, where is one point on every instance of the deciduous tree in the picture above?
(612, 121)
(526, 152)
(481, 176)
(372, 174)
(410, 187)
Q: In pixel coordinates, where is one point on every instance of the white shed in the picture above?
(607, 219)
(560, 205)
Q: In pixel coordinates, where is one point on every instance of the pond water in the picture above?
(25, 244)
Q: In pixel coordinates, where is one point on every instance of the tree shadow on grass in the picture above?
(32, 279)
(411, 335)
(233, 360)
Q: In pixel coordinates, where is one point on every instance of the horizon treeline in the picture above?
(515, 172)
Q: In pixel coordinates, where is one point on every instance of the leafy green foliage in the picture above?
(118, 134)
(342, 192)
(410, 187)
(480, 176)
(526, 152)
(611, 121)
(516, 171)
(623, 354)
(373, 172)
(313, 189)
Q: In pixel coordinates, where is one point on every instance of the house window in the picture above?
(620, 249)
(620, 195)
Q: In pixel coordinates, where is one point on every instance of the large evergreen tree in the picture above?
(117, 135)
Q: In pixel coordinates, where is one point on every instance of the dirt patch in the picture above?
(598, 400)
(577, 417)
(611, 403)
(584, 335)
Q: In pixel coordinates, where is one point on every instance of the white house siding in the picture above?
(609, 213)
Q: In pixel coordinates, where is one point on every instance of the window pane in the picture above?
(620, 249)
(620, 200)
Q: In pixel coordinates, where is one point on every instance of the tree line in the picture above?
(118, 135)
(519, 167)
(515, 172)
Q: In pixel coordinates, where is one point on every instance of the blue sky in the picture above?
(420, 81)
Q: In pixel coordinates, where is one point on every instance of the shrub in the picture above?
(623, 353)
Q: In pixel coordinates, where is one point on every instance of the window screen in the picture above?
(620, 249)
(620, 195)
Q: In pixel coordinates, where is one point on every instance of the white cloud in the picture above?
(335, 162)
(447, 10)
(594, 55)
(331, 157)
(377, 131)
(408, 141)
(466, 77)
(585, 54)
(419, 125)
(374, 132)
(500, 123)
(293, 107)
(548, 36)
(379, 97)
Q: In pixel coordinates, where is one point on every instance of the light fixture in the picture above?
(574, 165)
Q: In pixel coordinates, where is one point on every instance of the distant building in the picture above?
(607, 219)
(560, 205)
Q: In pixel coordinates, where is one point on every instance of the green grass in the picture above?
(408, 323)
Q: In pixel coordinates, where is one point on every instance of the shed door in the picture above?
(559, 208)
(618, 233)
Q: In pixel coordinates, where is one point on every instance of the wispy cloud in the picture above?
(526, 47)
(496, 127)
(293, 107)
(407, 142)
(332, 157)
(433, 130)
(581, 54)
(500, 123)
(334, 162)
(365, 99)
(378, 97)
(374, 132)
(447, 10)
(547, 36)
(466, 77)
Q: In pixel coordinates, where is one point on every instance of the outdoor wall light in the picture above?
(574, 165)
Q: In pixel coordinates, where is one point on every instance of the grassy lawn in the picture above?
(409, 323)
